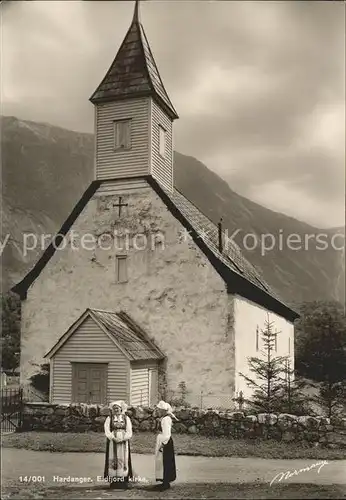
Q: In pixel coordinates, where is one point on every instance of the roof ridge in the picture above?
(102, 310)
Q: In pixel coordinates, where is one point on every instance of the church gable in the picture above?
(169, 287)
(95, 325)
(86, 340)
(130, 224)
(86, 360)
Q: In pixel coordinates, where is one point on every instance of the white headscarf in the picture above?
(162, 405)
(121, 404)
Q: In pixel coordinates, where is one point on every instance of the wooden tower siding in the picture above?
(89, 344)
(133, 162)
(143, 158)
(161, 168)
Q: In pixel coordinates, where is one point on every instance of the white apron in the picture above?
(158, 460)
(118, 461)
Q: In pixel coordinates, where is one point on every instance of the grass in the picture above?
(184, 444)
(218, 490)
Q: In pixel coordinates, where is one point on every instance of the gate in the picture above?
(11, 409)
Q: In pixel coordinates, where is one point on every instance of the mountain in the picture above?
(45, 170)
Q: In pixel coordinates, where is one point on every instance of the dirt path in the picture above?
(53, 466)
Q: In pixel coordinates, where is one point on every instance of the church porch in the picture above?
(104, 356)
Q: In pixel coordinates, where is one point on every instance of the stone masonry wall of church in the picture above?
(173, 292)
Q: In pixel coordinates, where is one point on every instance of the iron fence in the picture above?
(11, 409)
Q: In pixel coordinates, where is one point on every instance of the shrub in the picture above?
(40, 380)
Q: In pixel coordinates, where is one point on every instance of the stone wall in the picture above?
(235, 425)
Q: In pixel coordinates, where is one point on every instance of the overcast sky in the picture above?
(259, 86)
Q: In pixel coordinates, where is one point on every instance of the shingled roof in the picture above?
(122, 330)
(134, 73)
(231, 254)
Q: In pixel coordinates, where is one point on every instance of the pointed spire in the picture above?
(136, 13)
(134, 73)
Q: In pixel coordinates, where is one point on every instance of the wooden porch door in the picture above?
(89, 383)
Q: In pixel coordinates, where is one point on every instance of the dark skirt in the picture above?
(168, 458)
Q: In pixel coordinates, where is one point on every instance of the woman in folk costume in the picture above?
(118, 430)
(165, 470)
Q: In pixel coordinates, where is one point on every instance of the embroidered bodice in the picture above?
(119, 423)
(118, 426)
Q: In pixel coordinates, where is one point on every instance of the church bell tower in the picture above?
(133, 115)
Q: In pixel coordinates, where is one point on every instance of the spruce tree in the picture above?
(268, 370)
(332, 397)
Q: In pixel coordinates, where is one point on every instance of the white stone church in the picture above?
(143, 293)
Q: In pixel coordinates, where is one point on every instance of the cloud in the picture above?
(279, 196)
(259, 86)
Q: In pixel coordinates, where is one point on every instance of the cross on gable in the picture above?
(120, 205)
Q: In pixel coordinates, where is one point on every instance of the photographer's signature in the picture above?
(286, 475)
